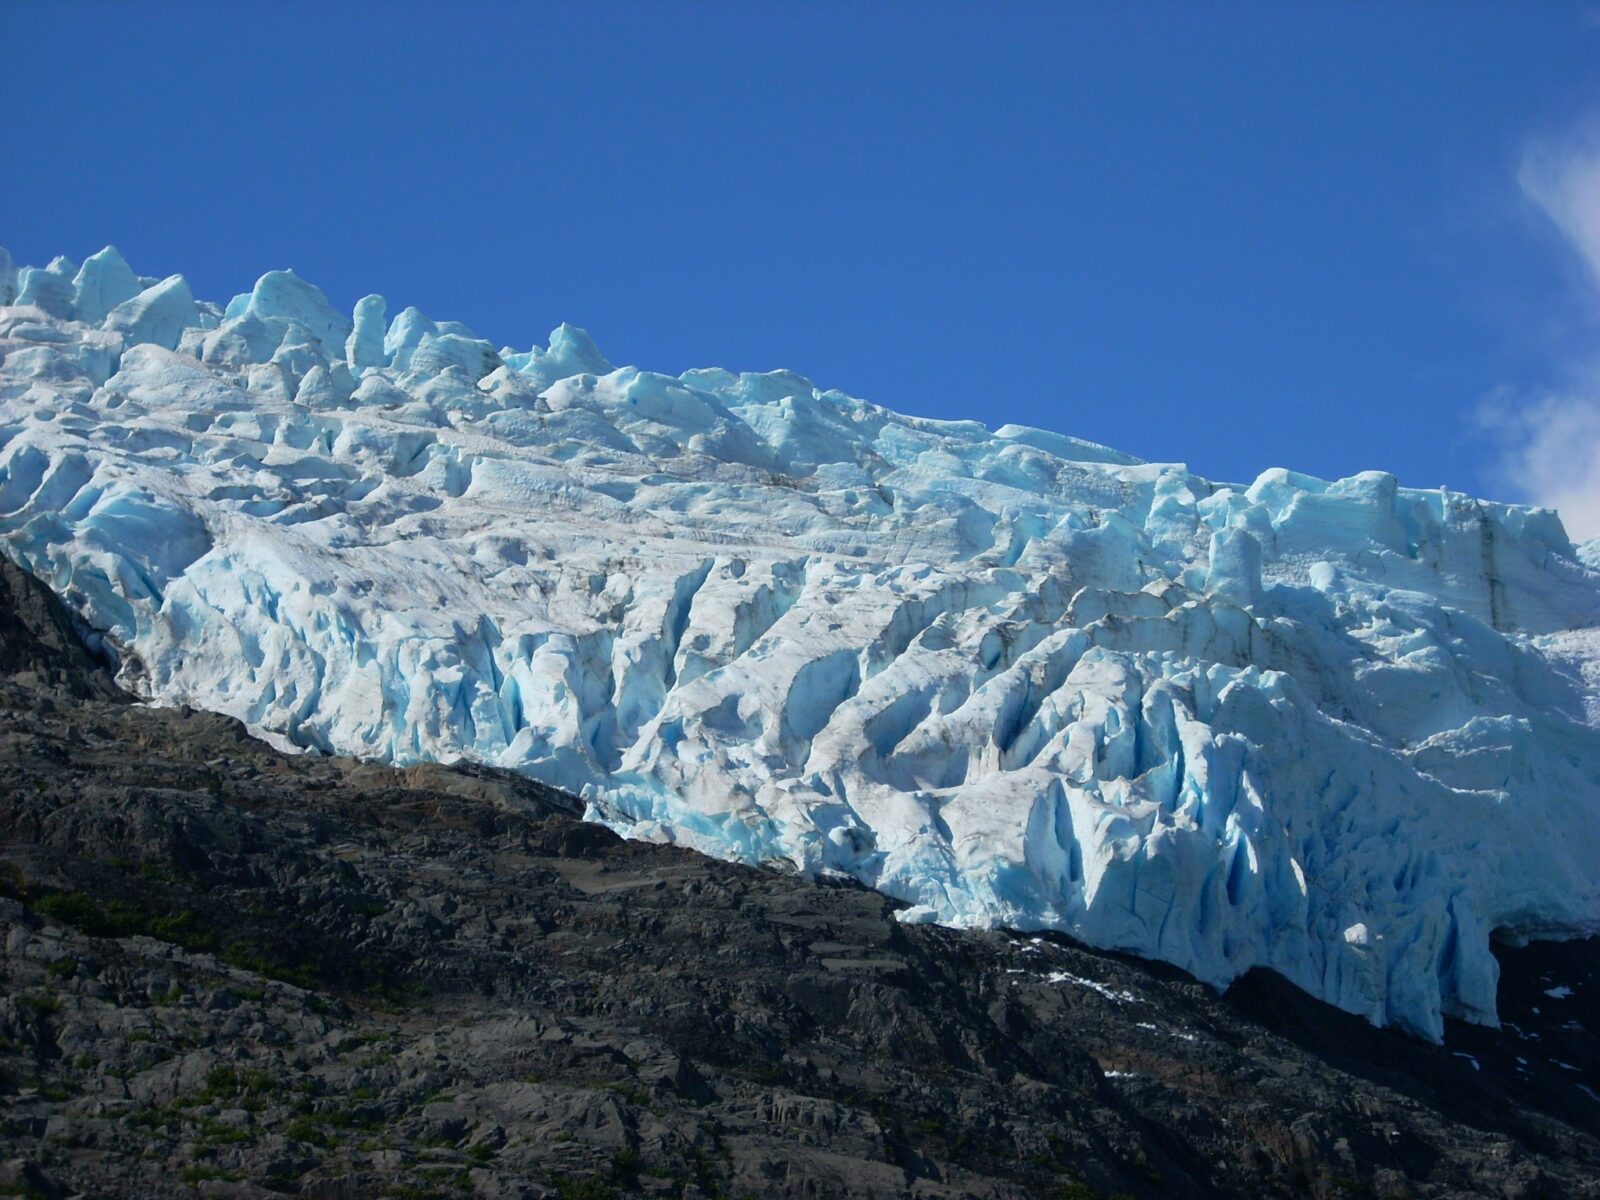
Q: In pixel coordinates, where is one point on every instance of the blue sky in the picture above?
(1324, 236)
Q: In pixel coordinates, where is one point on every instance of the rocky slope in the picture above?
(230, 971)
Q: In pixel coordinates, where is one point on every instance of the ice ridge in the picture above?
(1348, 730)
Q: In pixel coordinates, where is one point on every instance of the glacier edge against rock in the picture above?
(1344, 730)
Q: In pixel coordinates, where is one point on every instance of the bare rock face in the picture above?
(232, 972)
(41, 652)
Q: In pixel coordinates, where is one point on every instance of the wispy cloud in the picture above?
(1551, 455)
(1564, 181)
(1551, 445)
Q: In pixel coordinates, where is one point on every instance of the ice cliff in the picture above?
(1344, 730)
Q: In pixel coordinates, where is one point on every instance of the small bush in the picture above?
(585, 1187)
(306, 1129)
(41, 1006)
(72, 908)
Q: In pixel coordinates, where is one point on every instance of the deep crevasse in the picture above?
(1342, 730)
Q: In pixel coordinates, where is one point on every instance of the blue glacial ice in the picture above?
(1348, 731)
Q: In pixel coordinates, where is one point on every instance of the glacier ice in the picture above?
(104, 281)
(1348, 731)
(158, 315)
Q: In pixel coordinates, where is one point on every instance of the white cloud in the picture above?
(1551, 446)
(1564, 181)
(1552, 456)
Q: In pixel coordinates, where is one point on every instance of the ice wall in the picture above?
(1345, 730)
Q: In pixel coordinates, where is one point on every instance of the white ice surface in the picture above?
(1342, 730)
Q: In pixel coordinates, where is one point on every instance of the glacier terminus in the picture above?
(1348, 731)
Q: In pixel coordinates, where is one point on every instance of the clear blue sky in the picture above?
(1237, 235)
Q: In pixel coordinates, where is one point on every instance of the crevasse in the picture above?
(1347, 731)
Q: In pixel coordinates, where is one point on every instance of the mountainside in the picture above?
(229, 971)
(1346, 731)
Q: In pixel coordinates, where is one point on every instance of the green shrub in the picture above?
(584, 1187)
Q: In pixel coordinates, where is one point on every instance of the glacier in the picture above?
(1347, 731)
